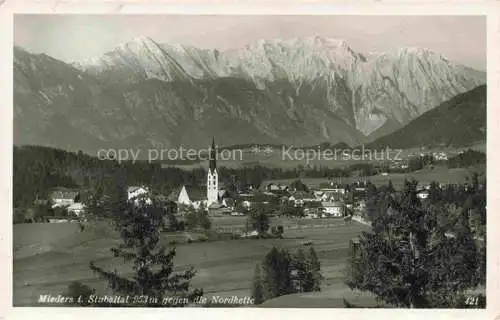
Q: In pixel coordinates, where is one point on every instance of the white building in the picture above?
(333, 208)
(424, 194)
(212, 178)
(64, 198)
(76, 208)
(136, 193)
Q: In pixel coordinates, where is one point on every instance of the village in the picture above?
(332, 198)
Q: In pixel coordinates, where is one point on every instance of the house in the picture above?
(64, 197)
(423, 186)
(313, 213)
(272, 187)
(247, 204)
(423, 194)
(440, 156)
(333, 192)
(76, 208)
(228, 203)
(275, 187)
(359, 186)
(300, 197)
(333, 208)
(135, 193)
(223, 193)
(398, 164)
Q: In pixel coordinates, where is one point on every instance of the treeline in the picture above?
(452, 201)
(282, 272)
(37, 170)
(467, 159)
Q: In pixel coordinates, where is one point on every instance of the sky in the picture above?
(77, 37)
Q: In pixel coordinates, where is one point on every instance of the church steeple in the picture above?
(212, 177)
(213, 154)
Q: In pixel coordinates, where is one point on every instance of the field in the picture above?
(47, 257)
(425, 176)
(282, 158)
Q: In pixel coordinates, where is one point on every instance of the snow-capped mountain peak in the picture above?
(366, 90)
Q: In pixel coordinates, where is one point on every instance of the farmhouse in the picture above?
(76, 208)
(360, 186)
(64, 197)
(423, 194)
(135, 192)
(333, 208)
(333, 192)
(301, 197)
(274, 187)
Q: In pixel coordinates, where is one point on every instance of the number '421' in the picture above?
(472, 300)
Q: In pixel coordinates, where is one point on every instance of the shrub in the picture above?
(80, 293)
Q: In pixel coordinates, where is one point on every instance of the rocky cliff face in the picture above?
(300, 91)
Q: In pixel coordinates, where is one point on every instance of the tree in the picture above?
(80, 293)
(314, 270)
(140, 227)
(197, 218)
(298, 185)
(259, 219)
(435, 196)
(277, 279)
(43, 211)
(465, 257)
(257, 287)
(390, 187)
(290, 210)
(408, 260)
(280, 230)
(300, 267)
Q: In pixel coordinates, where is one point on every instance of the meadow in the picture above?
(278, 158)
(438, 174)
(47, 257)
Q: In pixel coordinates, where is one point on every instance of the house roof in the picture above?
(266, 184)
(302, 195)
(332, 204)
(135, 188)
(76, 206)
(64, 194)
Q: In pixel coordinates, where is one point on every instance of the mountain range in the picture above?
(300, 91)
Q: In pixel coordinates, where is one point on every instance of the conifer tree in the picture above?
(140, 226)
(300, 266)
(277, 279)
(315, 270)
(257, 287)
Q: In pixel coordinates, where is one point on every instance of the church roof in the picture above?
(212, 165)
(195, 193)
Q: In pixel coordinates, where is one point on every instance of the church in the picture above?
(206, 196)
(212, 177)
